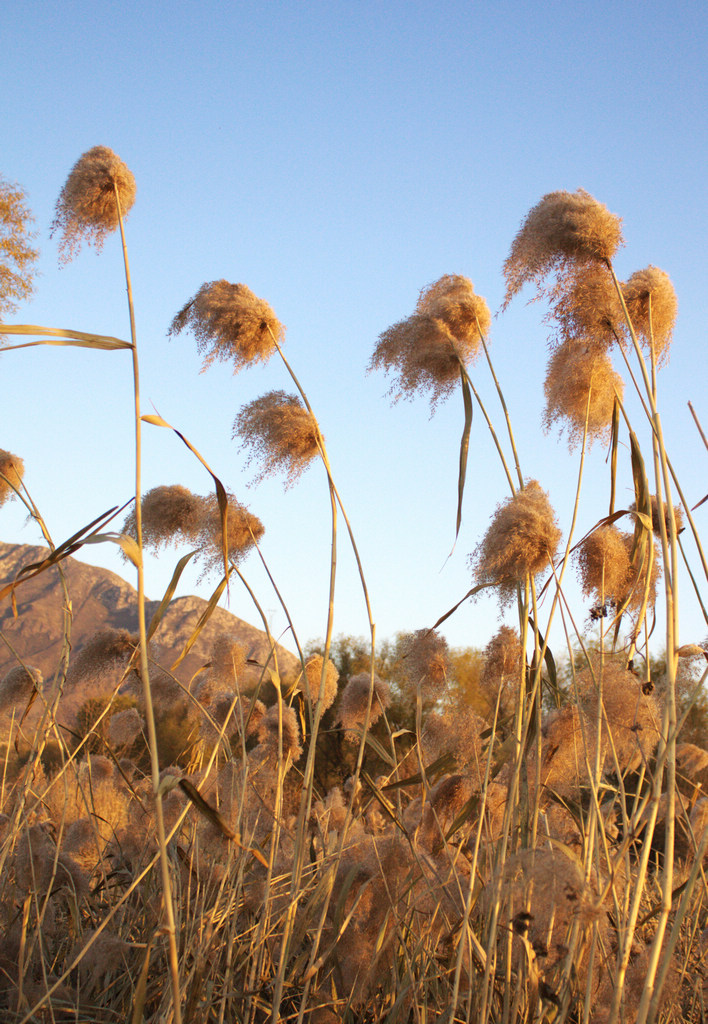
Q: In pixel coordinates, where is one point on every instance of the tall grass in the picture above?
(252, 844)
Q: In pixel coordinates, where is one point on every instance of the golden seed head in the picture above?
(279, 432)
(652, 306)
(170, 514)
(269, 729)
(424, 352)
(103, 650)
(230, 324)
(244, 530)
(561, 232)
(426, 661)
(87, 208)
(12, 469)
(355, 700)
(17, 257)
(603, 563)
(656, 517)
(313, 677)
(578, 372)
(521, 541)
(18, 685)
(452, 299)
(586, 305)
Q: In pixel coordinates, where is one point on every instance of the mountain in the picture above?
(100, 599)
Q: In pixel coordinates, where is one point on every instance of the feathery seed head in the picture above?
(521, 541)
(169, 514)
(587, 306)
(427, 661)
(124, 727)
(503, 660)
(244, 530)
(17, 257)
(575, 373)
(603, 564)
(12, 469)
(455, 730)
(313, 677)
(452, 299)
(87, 207)
(280, 432)
(227, 658)
(632, 716)
(230, 324)
(656, 517)
(424, 352)
(652, 306)
(268, 732)
(18, 685)
(562, 231)
(103, 650)
(355, 698)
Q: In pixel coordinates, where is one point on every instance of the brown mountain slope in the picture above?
(100, 599)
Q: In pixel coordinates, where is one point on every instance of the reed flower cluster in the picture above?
(521, 541)
(280, 432)
(17, 255)
(563, 231)
(652, 306)
(581, 389)
(425, 352)
(12, 469)
(230, 324)
(87, 209)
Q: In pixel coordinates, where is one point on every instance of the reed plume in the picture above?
(169, 514)
(522, 540)
(12, 469)
(230, 324)
(17, 256)
(312, 677)
(563, 231)
(244, 530)
(280, 432)
(426, 351)
(355, 700)
(652, 306)
(576, 373)
(86, 209)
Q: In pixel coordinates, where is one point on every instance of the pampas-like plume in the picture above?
(86, 208)
(501, 675)
(12, 469)
(578, 371)
(169, 514)
(562, 231)
(17, 257)
(652, 321)
(425, 352)
(588, 307)
(521, 541)
(244, 530)
(230, 324)
(427, 661)
(656, 517)
(268, 732)
(18, 685)
(355, 700)
(280, 432)
(603, 564)
(312, 678)
(103, 650)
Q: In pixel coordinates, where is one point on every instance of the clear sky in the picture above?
(337, 157)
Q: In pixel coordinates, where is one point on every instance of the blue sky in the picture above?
(338, 157)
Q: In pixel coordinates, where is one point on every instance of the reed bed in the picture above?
(363, 839)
